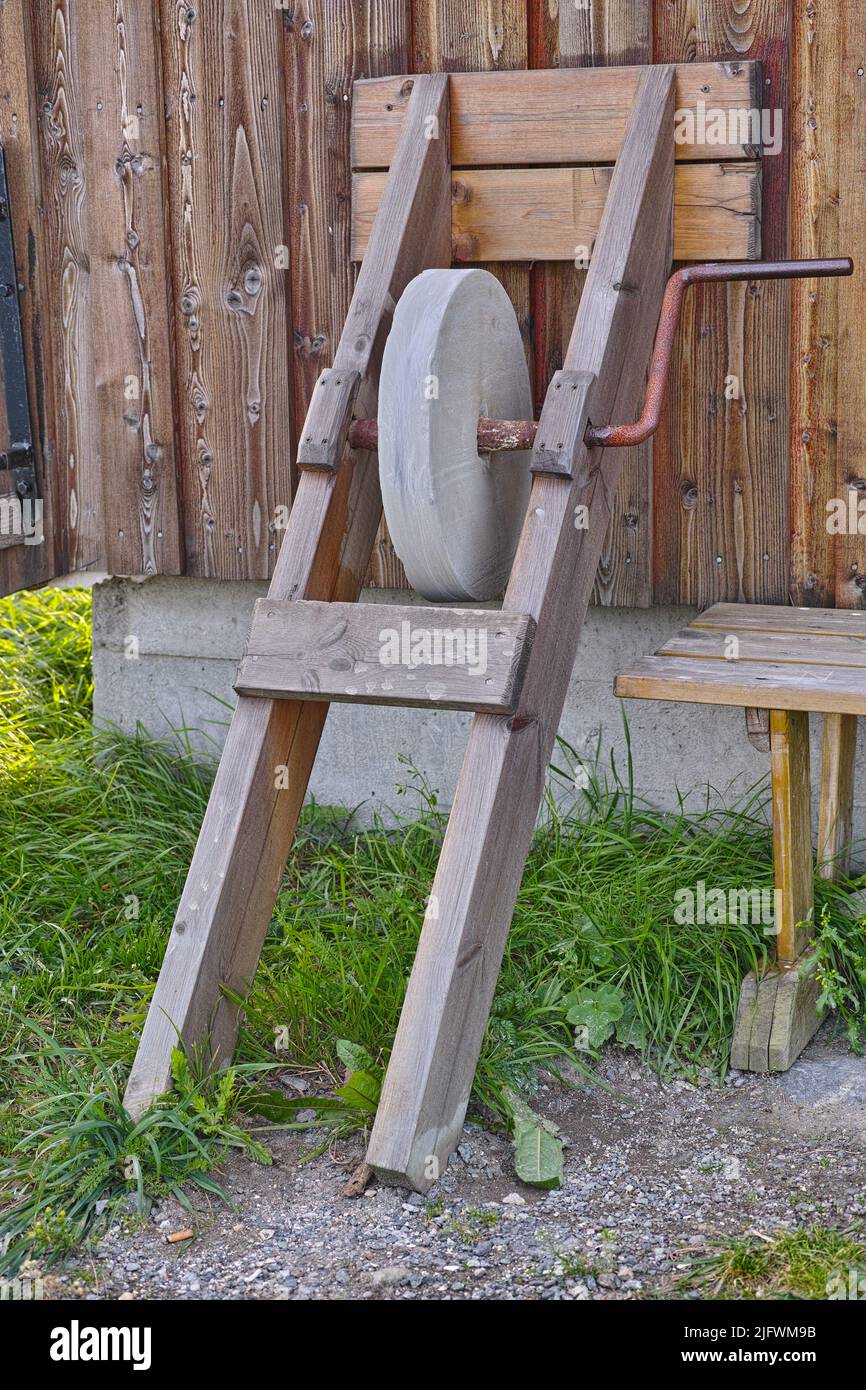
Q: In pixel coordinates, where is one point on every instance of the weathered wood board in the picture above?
(549, 214)
(371, 653)
(554, 116)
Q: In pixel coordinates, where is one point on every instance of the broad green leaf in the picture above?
(538, 1158)
(354, 1057)
(596, 1010)
(361, 1090)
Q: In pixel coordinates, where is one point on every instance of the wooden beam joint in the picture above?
(323, 441)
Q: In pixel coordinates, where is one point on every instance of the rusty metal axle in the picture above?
(498, 436)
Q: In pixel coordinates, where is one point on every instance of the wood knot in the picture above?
(464, 247)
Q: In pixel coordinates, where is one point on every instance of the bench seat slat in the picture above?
(753, 684)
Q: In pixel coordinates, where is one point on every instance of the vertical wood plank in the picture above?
(836, 802)
(22, 566)
(133, 372)
(792, 830)
(60, 104)
(816, 43)
(850, 403)
(326, 47)
(605, 34)
(223, 90)
(456, 36)
(721, 456)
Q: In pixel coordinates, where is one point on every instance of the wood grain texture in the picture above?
(543, 214)
(836, 802)
(797, 649)
(61, 102)
(721, 456)
(816, 42)
(551, 117)
(326, 48)
(271, 745)
(224, 142)
(762, 684)
(792, 831)
(132, 424)
(776, 1017)
(605, 36)
(22, 566)
(850, 403)
(768, 617)
(429, 1078)
(372, 653)
(796, 1015)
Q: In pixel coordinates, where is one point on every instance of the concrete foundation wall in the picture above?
(165, 654)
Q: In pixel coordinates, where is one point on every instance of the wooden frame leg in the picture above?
(777, 1014)
(427, 1086)
(792, 831)
(836, 808)
(268, 756)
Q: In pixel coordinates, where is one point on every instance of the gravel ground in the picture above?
(654, 1172)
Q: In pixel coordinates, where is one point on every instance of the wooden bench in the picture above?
(790, 662)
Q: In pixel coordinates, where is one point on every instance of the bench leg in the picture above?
(792, 830)
(777, 1014)
(837, 793)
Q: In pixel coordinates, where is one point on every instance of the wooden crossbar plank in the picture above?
(265, 766)
(768, 617)
(796, 648)
(561, 115)
(548, 214)
(429, 1078)
(762, 684)
(386, 654)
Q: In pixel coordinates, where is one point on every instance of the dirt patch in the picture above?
(654, 1173)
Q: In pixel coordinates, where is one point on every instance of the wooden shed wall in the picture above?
(181, 186)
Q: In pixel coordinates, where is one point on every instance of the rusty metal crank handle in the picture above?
(501, 436)
(715, 272)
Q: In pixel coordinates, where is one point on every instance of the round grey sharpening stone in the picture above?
(454, 353)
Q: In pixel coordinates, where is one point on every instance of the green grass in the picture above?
(816, 1262)
(96, 835)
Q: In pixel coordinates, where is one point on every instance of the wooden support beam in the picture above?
(265, 766)
(792, 831)
(430, 1075)
(550, 214)
(575, 115)
(385, 654)
(836, 804)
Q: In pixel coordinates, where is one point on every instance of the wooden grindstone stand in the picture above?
(311, 642)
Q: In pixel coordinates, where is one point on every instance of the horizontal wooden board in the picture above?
(770, 617)
(449, 658)
(759, 684)
(556, 115)
(799, 648)
(552, 214)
